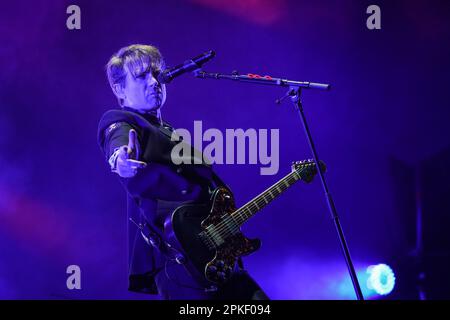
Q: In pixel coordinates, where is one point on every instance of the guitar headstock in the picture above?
(307, 169)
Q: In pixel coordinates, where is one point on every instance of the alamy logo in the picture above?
(221, 150)
(74, 280)
(74, 20)
(374, 20)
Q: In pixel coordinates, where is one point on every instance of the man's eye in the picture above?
(141, 77)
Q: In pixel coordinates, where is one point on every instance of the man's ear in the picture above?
(118, 91)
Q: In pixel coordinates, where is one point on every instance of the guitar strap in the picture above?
(154, 239)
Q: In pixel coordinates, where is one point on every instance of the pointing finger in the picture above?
(131, 141)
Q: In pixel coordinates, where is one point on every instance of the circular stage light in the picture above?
(381, 279)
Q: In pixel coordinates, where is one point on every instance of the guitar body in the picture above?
(209, 246)
(207, 238)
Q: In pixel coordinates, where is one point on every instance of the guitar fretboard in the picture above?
(260, 201)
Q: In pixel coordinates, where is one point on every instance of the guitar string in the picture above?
(261, 202)
(231, 223)
(225, 228)
(221, 228)
(209, 242)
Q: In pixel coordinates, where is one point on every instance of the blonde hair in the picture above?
(138, 59)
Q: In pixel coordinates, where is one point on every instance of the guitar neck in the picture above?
(248, 210)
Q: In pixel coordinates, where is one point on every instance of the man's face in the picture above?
(143, 92)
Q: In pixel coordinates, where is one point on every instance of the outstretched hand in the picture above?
(127, 166)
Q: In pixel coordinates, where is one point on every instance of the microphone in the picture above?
(190, 65)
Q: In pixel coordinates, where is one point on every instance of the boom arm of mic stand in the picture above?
(266, 80)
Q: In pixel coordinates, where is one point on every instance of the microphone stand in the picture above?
(294, 93)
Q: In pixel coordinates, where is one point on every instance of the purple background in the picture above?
(60, 205)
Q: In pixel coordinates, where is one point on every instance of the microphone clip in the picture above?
(292, 92)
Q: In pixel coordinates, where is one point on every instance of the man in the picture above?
(137, 145)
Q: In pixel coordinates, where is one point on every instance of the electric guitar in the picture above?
(208, 237)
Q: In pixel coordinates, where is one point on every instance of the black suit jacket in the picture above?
(156, 190)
